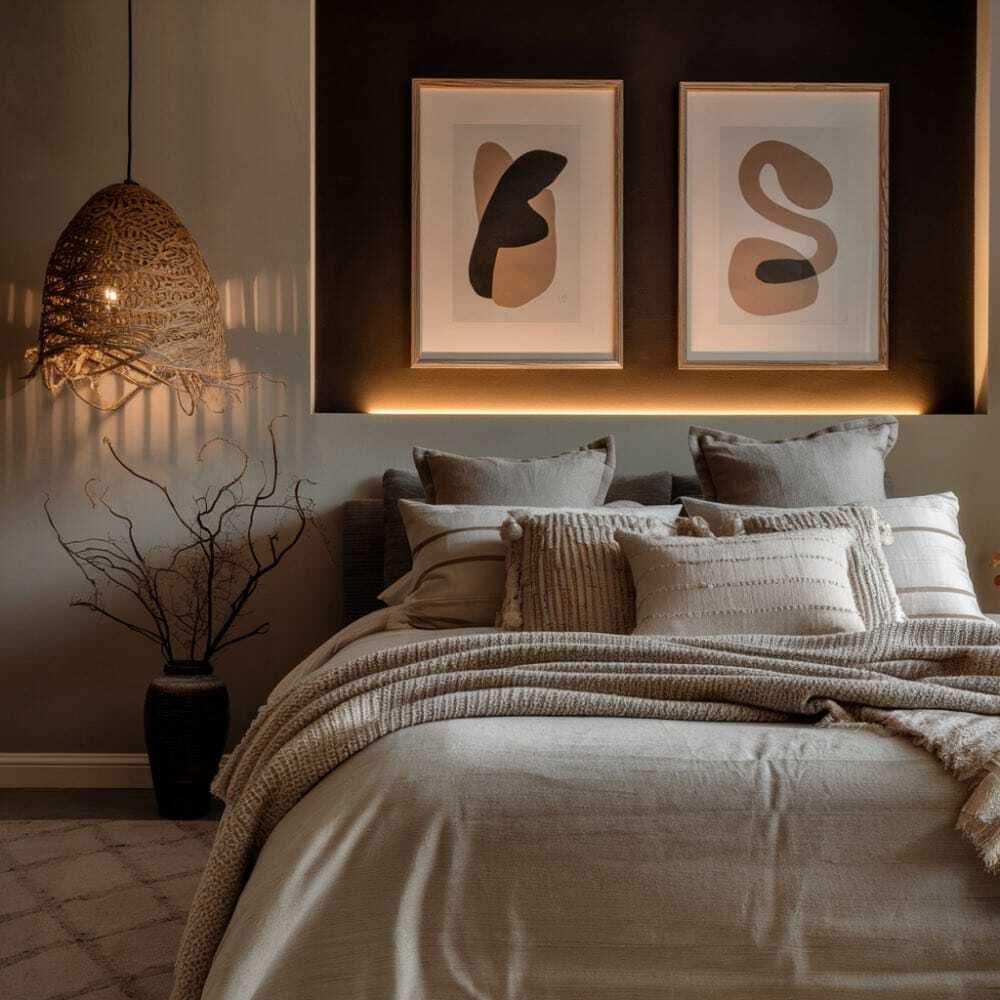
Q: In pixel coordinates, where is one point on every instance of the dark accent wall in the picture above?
(366, 56)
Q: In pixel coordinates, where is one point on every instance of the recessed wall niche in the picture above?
(925, 50)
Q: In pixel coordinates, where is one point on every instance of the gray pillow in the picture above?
(573, 479)
(840, 464)
(651, 489)
(397, 485)
(686, 485)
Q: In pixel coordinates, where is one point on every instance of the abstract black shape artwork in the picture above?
(516, 223)
(509, 221)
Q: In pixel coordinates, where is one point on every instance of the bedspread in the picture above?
(619, 859)
(937, 682)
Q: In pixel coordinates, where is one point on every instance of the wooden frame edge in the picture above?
(617, 360)
(882, 211)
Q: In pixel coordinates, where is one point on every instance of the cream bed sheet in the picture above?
(583, 859)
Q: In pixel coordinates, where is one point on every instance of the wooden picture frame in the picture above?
(553, 302)
(729, 134)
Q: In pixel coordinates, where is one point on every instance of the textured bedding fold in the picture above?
(937, 683)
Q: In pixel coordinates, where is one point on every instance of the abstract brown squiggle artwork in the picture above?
(513, 259)
(767, 278)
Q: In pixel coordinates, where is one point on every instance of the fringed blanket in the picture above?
(935, 682)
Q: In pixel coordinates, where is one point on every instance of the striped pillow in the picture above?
(458, 574)
(874, 591)
(789, 583)
(565, 572)
(927, 558)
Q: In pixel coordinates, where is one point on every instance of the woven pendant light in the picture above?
(127, 292)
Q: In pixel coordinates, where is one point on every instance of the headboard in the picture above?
(362, 545)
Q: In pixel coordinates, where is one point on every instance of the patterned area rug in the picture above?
(93, 909)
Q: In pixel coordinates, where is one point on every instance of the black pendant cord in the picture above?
(128, 165)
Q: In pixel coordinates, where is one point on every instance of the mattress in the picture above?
(615, 858)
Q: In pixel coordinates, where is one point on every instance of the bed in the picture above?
(538, 856)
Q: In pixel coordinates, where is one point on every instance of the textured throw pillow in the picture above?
(565, 572)
(789, 583)
(458, 565)
(874, 591)
(574, 479)
(926, 559)
(840, 464)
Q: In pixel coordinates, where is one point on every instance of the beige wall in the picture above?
(222, 132)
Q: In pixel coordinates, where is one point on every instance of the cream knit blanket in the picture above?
(936, 682)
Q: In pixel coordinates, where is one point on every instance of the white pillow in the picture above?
(927, 558)
(789, 583)
(458, 571)
(874, 591)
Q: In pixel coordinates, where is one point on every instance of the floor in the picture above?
(94, 890)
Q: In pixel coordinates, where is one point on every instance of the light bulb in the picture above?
(111, 295)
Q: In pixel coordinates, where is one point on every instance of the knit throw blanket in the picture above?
(935, 682)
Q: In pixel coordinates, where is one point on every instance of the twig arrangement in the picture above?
(195, 593)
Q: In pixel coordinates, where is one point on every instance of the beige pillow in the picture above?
(840, 464)
(874, 591)
(458, 574)
(565, 572)
(926, 559)
(577, 479)
(790, 583)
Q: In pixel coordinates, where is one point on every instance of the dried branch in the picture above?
(152, 482)
(144, 632)
(193, 593)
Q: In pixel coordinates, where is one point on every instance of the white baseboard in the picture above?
(74, 770)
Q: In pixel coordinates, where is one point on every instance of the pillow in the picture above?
(573, 479)
(874, 591)
(458, 564)
(651, 488)
(684, 486)
(926, 559)
(397, 485)
(789, 583)
(565, 572)
(840, 464)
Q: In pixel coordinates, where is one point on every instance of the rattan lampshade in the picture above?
(128, 292)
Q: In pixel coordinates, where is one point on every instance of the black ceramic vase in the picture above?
(187, 721)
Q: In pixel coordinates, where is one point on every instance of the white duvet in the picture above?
(591, 858)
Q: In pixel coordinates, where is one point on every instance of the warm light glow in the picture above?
(981, 201)
(689, 412)
(168, 329)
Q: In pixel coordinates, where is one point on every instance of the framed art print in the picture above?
(783, 225)
(517, 223)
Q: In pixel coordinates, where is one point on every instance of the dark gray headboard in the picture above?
(362, 558)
